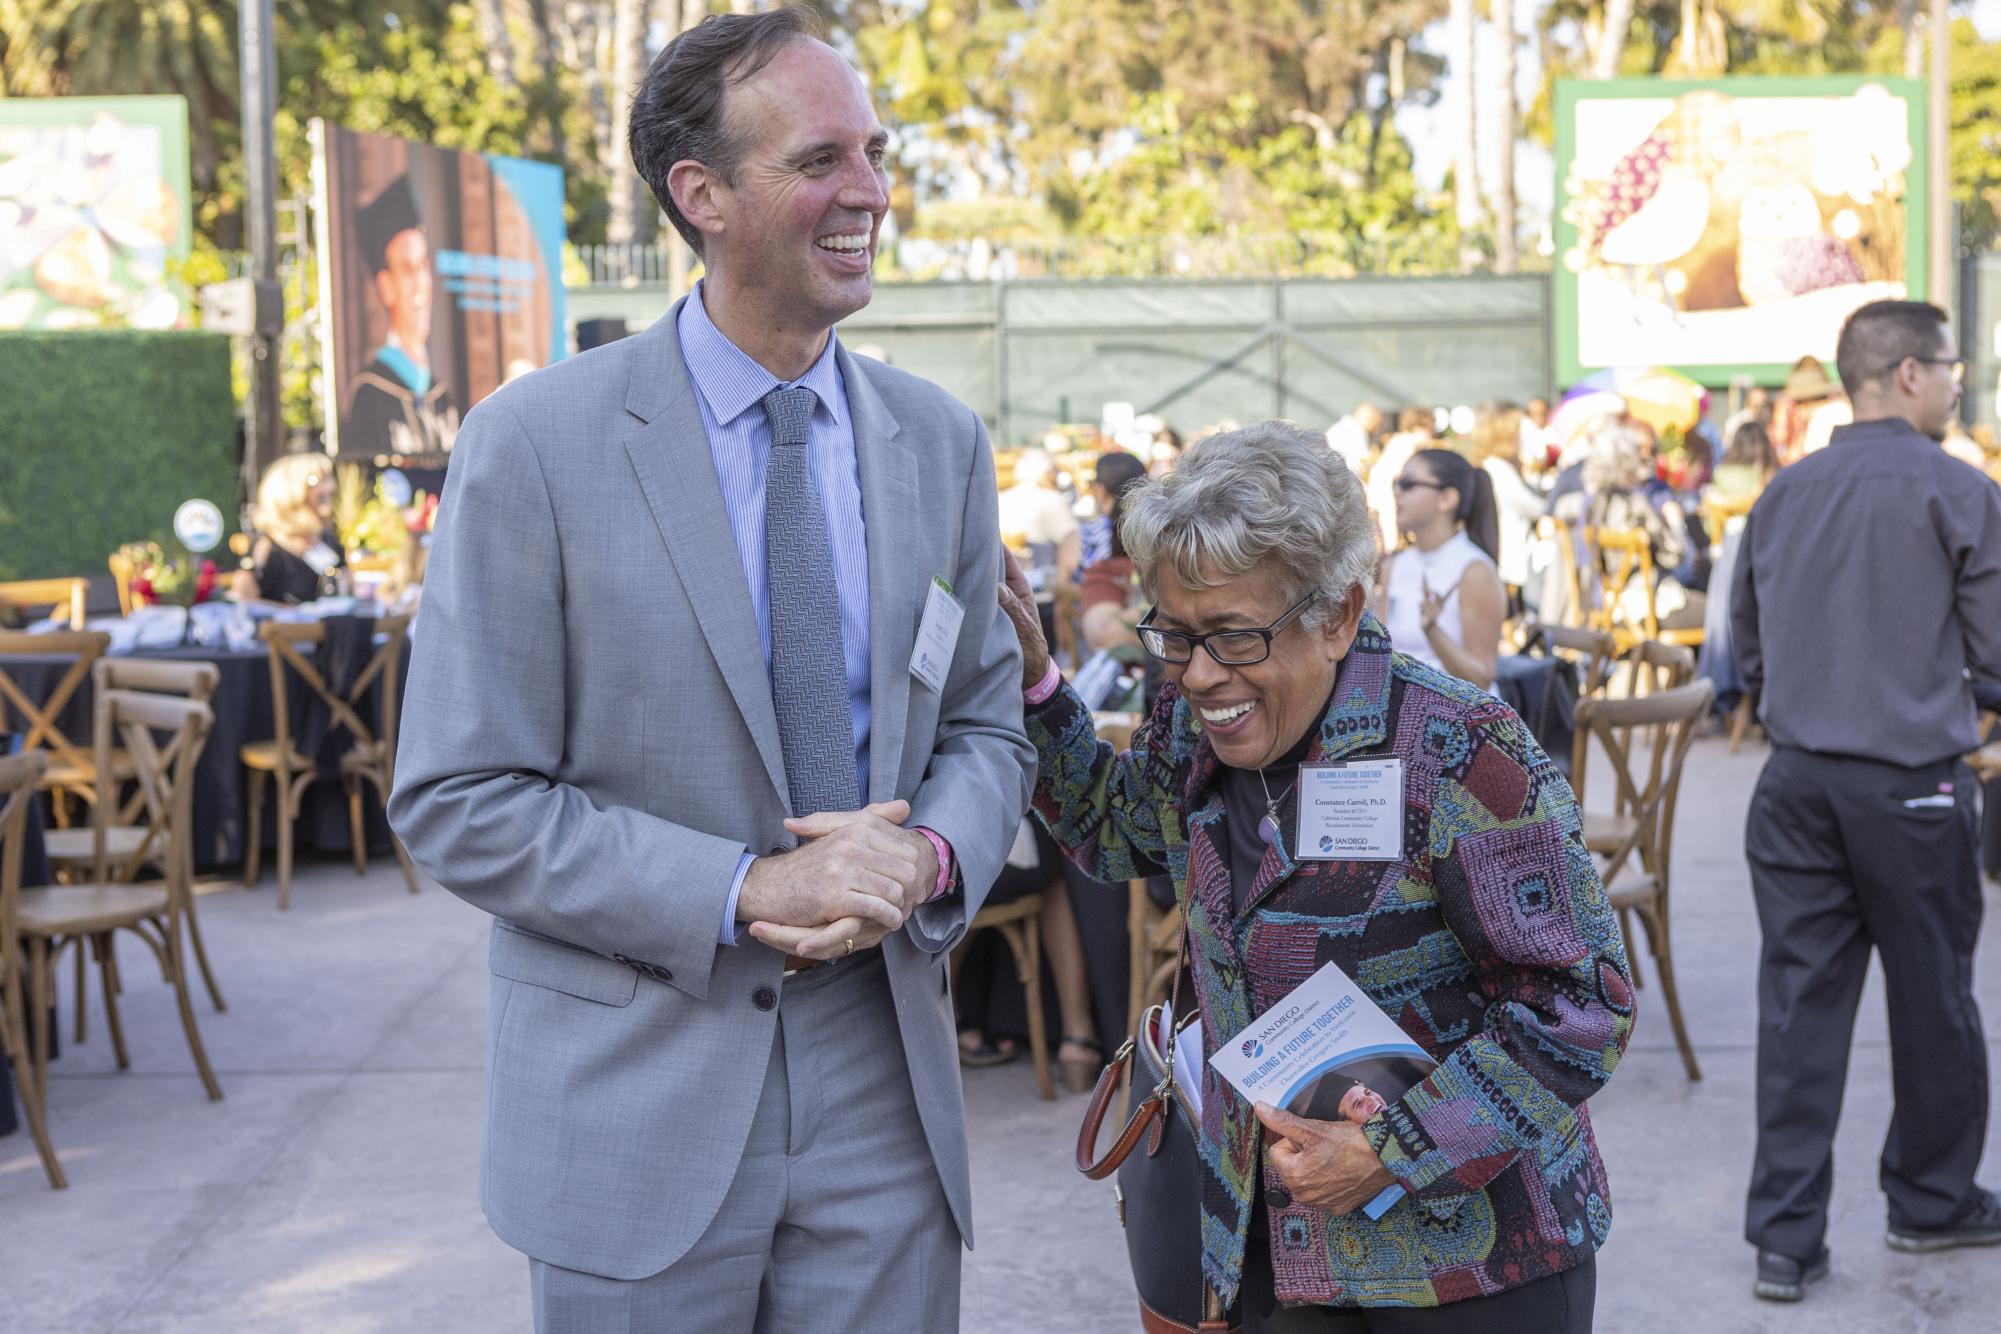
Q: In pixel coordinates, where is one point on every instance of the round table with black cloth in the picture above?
(242, 707)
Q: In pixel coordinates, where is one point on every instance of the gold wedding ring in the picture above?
(851, 946)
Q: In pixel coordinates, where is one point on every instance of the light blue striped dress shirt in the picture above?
(730, 387)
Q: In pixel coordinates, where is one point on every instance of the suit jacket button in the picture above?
(663, 974)
(620, 958)
(764, 998)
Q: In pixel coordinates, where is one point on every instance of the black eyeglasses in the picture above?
(1231, 648)
(1416, 484)
(1958, 364)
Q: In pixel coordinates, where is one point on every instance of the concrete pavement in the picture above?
(336, 1189)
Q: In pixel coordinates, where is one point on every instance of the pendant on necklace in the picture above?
(1268, 827)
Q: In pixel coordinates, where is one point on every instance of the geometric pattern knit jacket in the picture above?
(1491, 945)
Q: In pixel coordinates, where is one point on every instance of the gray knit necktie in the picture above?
(809, 677)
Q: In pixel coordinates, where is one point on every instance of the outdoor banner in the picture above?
(94, 202)
(441, 278)
(1726, 228)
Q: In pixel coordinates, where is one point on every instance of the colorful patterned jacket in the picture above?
(1491, 944)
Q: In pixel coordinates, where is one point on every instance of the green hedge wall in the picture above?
(102, 436)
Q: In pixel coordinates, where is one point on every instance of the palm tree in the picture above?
(1612, 38)
(1466, 144)
(1504, 176)
(628, 55)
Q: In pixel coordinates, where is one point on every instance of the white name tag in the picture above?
(1351, 811)
(937, 635)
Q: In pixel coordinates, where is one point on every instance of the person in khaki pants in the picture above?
(684, 588)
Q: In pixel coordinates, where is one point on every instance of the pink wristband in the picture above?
(1041, 691)
(944, 862)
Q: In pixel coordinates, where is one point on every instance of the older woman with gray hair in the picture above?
(1476, 920)
(1616, 473)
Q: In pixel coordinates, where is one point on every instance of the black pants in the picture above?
(1559, 1304)
(1841, 860)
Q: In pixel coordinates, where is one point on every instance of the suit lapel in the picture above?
(896, 580)
(669, 449)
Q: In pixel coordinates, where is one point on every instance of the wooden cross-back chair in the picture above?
(115, 849)
(20, 780)
(1634, 845)
(130, 845)
(66, 599)
(1593, 651)
(1625, 559)
(1652, 666)
(1564, 537)
(371, 760)
(86, 916)
(70, 770)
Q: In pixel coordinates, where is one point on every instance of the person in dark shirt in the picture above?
(1867, 589)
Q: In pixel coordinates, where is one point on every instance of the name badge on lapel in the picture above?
(1351, 811)
(937, 635)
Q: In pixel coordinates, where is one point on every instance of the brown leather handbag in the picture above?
(1159, 1190)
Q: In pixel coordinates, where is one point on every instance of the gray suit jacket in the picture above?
(589, 744)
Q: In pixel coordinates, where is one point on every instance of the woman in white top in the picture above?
(1440, 596)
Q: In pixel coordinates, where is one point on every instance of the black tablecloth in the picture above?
(1543, 690)
(242, 706)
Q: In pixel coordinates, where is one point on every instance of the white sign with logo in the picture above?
(198, 524)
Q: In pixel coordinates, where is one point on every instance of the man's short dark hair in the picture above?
(677, 110)
(1878, 336)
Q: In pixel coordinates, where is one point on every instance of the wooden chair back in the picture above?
(164, 774)
(194, 681)
(1665, 723)
(1655, 667)
(1565, 537)
(1594, 651)
(1622, 558)
(384, 664)
(1069, 604)
(65, 598)
(121, 569)
(20, 776)
(43, 729)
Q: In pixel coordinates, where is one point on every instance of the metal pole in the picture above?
(1944, 238)
(260, 100)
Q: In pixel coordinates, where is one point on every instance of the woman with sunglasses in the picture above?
(1472, 917)
(1440, 596)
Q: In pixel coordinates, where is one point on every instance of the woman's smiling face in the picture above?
(1254, 713)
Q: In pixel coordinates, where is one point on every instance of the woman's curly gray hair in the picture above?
(1272, 492)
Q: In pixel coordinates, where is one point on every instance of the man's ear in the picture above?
(696, 189)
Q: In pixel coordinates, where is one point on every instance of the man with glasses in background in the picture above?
(1867, 591)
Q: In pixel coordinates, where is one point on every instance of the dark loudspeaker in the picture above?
(596, 333)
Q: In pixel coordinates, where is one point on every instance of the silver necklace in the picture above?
(1268, 827)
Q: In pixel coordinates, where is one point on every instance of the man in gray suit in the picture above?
(684, 588)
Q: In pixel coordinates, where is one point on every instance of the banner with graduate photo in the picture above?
(441, 279)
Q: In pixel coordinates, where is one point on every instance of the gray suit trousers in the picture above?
(836, 1218)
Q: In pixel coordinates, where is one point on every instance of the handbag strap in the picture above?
(1152, 1106)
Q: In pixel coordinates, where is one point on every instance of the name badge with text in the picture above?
(1351, 810)
(937, 635)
